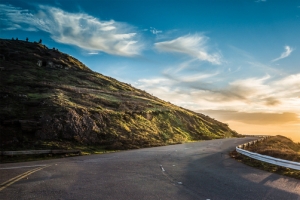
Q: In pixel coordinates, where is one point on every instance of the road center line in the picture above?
(19, 177)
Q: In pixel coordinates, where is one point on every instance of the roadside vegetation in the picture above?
(276, 146)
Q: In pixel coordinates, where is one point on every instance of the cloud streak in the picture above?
(260, 1)
(155, 31)
(201, 92)
(192, 45)
(79, 29)
(288, 51)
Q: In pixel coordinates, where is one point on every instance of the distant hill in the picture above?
(46, 95)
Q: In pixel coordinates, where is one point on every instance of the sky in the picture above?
(237, 61)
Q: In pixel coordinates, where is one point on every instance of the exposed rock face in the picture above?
(69, 126)
(29, 126)
(39, 63)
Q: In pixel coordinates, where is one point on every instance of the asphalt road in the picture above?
(200, 170)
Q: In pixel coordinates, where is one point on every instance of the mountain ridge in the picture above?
(47, 95)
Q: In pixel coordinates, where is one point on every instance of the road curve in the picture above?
(200, 170)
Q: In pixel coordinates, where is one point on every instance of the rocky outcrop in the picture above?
(71, 126)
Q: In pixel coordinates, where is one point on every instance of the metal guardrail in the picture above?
(28, 152)
(267, 159)
(242, 146)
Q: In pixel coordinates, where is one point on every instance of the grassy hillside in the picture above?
(47, 96)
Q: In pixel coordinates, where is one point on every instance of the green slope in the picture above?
(63, 100)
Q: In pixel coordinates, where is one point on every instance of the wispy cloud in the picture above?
(155, 31)
(79, 29)
(192, 45)
(288, 51)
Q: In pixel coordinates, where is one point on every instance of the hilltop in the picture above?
(47, 95)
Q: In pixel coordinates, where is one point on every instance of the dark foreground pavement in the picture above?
(201, 170)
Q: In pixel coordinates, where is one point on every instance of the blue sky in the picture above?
(235, 60)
